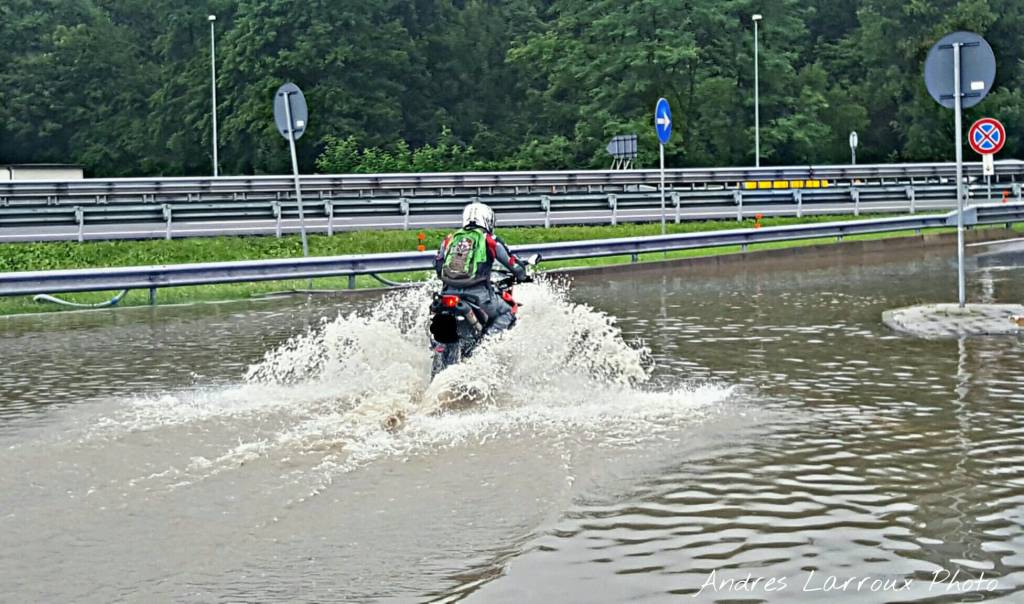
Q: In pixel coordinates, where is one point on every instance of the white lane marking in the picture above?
(996, 242)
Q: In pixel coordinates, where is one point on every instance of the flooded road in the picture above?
(723, 434)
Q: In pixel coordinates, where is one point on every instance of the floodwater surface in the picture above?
(751, 433)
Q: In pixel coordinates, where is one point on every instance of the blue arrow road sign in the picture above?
(663, 120)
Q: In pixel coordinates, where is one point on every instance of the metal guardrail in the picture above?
(169, 200)
(152, 277)
(479, 182)
(403, 211)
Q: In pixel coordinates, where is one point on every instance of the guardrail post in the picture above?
(971, 217)
(4, 203)
(167, 216)
(352, 281)
(675, 202)
(276, 207)
(737, 197)
(613, 203)
(1017, 191)
(152, 296)
(634, 258)
(403, 207)
(80, 219)
(329, 210)
(855, 195)
(798, 197)
(912, 196)
(545, 204)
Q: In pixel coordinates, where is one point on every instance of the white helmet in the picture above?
(478, 214)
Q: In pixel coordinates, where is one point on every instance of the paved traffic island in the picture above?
(951, 321)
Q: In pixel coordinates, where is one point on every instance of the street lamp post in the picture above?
(213, 91)
(757, 108)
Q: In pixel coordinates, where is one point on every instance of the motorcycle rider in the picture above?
(464, 261)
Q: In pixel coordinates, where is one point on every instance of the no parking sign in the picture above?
(987, 136)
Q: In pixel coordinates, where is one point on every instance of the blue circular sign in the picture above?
(663, 120)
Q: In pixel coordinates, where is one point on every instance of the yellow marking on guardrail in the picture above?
(784, 184)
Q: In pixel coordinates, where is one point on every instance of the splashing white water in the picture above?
(377, 363)
(563, 370)
(564, 366)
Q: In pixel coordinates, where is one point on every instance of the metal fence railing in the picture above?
(152, 277)
(334, 199)
(480, 183)
(32, 221)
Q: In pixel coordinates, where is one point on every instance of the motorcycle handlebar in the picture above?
(510, 280)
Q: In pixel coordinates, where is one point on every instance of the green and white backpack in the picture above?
(467, 250)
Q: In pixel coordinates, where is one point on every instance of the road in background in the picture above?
(104, 231)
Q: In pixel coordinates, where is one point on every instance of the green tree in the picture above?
(122, 86)
(75, 87)
(351, 59)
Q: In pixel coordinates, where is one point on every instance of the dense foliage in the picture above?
(122, 86)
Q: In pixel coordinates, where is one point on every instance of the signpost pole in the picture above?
(757, 103)
(295, 172)
(662, 154)
(957, 110)
(979, 67)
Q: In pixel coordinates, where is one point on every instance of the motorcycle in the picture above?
(458, 324)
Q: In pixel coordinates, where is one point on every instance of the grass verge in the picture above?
(67, 255)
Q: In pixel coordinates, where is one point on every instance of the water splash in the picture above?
(564, 371)
(564, 367)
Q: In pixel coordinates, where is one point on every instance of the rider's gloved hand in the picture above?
(520, 274)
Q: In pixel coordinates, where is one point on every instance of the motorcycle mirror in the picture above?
(533, 259)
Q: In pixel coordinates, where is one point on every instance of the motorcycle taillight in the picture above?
(450, 301)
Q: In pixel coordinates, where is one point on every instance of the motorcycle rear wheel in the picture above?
(444, 359)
